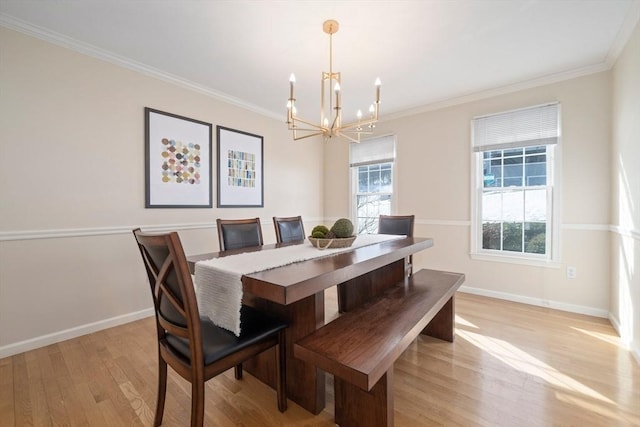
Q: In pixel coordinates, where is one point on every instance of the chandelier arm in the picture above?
(357, 141)
(305, 129)
(333, 127)
(306, 122)
(296, 138)
(362, 131)
(360, 123)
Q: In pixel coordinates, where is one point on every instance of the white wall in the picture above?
(72, 144)
(625, 209)
(433, 182)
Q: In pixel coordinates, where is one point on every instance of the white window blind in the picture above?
(527, 127)
(371, 151)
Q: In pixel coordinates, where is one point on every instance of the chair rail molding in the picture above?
(118, 229)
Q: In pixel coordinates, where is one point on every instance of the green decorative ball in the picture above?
(319, 231)
(342, 228)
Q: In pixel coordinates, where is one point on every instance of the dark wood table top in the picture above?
(293, 282)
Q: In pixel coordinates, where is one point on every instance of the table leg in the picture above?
(305, 383)
(357, 291)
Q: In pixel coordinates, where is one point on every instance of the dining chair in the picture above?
(239, 233)
(192, 345)
(399, 225)
(288, 229)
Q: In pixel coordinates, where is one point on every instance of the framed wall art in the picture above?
(178, 161)
(240, 169)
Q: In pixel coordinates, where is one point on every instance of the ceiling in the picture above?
(427, 53)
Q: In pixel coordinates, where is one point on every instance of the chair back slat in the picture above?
(173, 329)
(160, 287)
(164, 291)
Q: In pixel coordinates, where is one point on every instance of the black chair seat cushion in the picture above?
(218, 342)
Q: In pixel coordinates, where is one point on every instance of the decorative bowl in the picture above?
(332, 243)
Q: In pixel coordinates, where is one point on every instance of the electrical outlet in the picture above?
(572, 272)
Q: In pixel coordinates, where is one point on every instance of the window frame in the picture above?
(553, 189)
(354, 181)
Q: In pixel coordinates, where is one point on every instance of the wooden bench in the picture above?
(360, 347)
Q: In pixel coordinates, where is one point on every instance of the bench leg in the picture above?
(355, 407)
(442, 325)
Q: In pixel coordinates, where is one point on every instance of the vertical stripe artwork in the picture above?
(241, 169)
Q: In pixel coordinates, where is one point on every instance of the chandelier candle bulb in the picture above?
(378, 83)
(292, 81)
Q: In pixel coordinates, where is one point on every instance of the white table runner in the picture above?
(218, 281)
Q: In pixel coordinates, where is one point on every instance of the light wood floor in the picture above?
(510, 365)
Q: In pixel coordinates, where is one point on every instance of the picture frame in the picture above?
(240, 168)
(178, 161)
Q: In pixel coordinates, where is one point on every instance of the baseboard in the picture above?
(572, 308)
(635, 350)
(33, 343)
(626, 340)
(616, 325)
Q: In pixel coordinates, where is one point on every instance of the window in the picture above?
(514, 189)
(372, 175)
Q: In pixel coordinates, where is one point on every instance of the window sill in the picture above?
(516, 260)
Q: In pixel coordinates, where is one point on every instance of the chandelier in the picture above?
(331, 119)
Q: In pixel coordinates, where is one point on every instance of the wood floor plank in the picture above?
(510, 365)
(138, 404)
(90, 407)
(7, 397)
(51, 366)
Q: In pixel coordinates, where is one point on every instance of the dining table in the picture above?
(295, 293)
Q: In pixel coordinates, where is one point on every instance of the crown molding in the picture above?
(121, 61)
(502, 90)
(630, 21)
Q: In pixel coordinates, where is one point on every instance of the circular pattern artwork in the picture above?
(180, 162)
